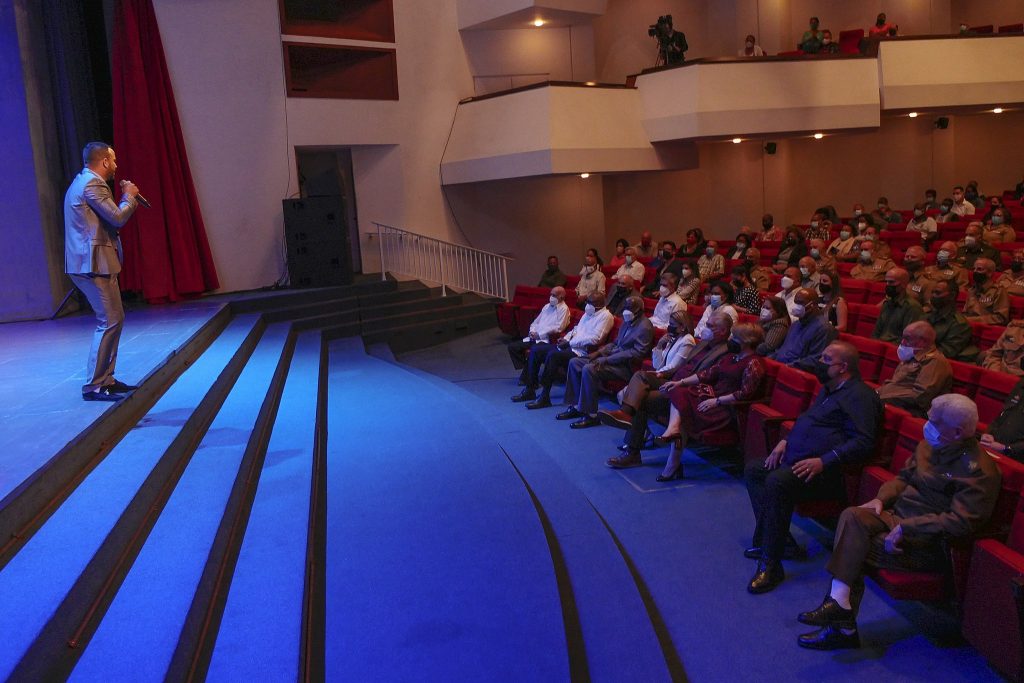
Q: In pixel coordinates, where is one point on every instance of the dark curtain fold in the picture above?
(166, 254)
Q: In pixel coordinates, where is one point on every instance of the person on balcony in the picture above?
(751, 48)
(897, 310)
(987, 302)
(828, 46)
(810, 41)
(953, 334)
(553, 276)
(592, 280)
(922, 374)
(612, 361)
(838, 429)
(549, 324)
(881, 28)
(948, 489)
(870, 266)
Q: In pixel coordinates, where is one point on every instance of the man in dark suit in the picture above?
(92, 259)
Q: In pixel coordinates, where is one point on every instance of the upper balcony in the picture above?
(496, 14)
(556, 129)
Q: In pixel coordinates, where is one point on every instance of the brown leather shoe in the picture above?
(615, 418)
(624, 461)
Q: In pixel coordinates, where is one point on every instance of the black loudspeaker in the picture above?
(770, 147)
(317, 239)
(942, 123)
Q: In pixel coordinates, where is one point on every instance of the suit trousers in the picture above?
(552, 359)
(860, 541)
(105, 298)
(640, 386)
(583, 382)
(655, 403)
(775, 493)
(518, 351)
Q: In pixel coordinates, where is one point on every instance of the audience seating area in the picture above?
(986, 581)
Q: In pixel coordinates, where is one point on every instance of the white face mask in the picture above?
(943, 255)
(590, 310)
(806, 272)
(857, 212)
(627, 315)
(686, 273)
(970, 240)
(787, 282)
(629, 260)
(766, 314)
(749, 44)
(665, 291)
(707, 334)
(905, 353)
(798, 310)
(553, 300)
(865, 256)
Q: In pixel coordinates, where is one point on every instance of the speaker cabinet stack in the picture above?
(317, 239)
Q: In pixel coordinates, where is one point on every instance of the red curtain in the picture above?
(166, 254)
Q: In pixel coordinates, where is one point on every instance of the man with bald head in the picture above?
(808, 272)
(790, 286)
(898, 309)
(809, 334)
(923, 372)
(838, 429)
(919, 285)
(953, 334)
(870, 266)
(946, 267)
(817, 249)
(987, 302)
(626, 287)
(645, 248)
(549, 324)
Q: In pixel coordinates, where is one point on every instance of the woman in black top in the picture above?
(694, 246)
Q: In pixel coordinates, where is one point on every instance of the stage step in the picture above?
(57, 583)
(152, 606)
(261, 629)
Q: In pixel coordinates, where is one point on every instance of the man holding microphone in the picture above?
(92, 259)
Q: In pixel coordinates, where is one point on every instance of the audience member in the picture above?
(946, 268)
(844, 247)
(818, 228)
(1018, 191)
(973, 247)
(919, 285)
(1008, 351)
(972, 195)
(884, 215)
(833, 305)
(592, 280)
(870, 267)
(929, 199)
(897, 309)
(759, 275)
(793, 247)
(810, 41)
(638, 406)
(882, 28)
(953, 334)
(695, 244)
(645, 248)
(862, 219)
(611, 361)
(689, 283)
(818, 251)
(922, 374)
(1012, 279)
(946, 214)
(748, 297)
(623, 289)
(582, 340)
(882, 248)
(947, 490)
(829, 212)
(699, 402)
(668, 302)
(553, 276)
(987, 302)
(668, 354)
(922, 223)
(999, 228)
(994, 202)
(808, 272)
(1005, 434)
(620, 253)
(719, 299)
(809, 334)
(828, 47)
(665, 263)
(751, 48)
(739, 250)
(961, 207)
(790, 287)
(839, 428)
(775, 321)
(550, 322)
(770, 231)
(711, 264)
(631, 266)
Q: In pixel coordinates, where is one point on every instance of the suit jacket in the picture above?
(91, 221)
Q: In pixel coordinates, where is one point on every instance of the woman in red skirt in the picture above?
(700, 402)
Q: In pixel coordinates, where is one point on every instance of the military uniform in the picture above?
(952, 272)
(989, 304)
(1008, 351)
(953, 334)
(872, 272)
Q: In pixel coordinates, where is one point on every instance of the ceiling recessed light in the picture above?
(736, 141)
(584, 175)
(912, 114)
(997, 110)
(538, 22)
(818, 136)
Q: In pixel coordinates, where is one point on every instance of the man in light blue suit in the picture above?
(92, 259)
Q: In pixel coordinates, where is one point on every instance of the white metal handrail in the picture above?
(452, 265)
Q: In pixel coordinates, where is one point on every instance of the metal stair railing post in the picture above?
(429, 258)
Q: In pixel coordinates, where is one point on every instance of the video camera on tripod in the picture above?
(671, 43)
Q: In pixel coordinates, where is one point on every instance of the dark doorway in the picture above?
(327, 172)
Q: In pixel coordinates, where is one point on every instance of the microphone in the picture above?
(138, 197)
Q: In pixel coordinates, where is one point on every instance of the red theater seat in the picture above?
(1012, 28)
(965, 378)
(855, 291)
(849, 41)
(866, 319)
(871, 351)
(987, 28)
(508, 311)
(992, 390)
(791, 395)
(889, 363)
(907, 435)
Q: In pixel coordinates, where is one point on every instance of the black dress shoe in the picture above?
(829, 612)
(791, 552)
(676, 474)
(103, 394)
(769, 574)
(526, 394)
(829, 638)
(585, 422)
(570, 414)
(542, 402)
(121, 388)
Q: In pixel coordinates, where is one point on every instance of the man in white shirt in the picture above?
(961, 207)
(552, 320)
(589, 333)
(790, 286)
(668, 302)
(631, 267)
(922, 223)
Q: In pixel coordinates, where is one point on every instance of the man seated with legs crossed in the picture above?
(581, 340)
(552, 320)
(611, 361)
(947, 489)
(838, 429)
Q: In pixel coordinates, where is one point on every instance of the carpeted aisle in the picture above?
(686, 540)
